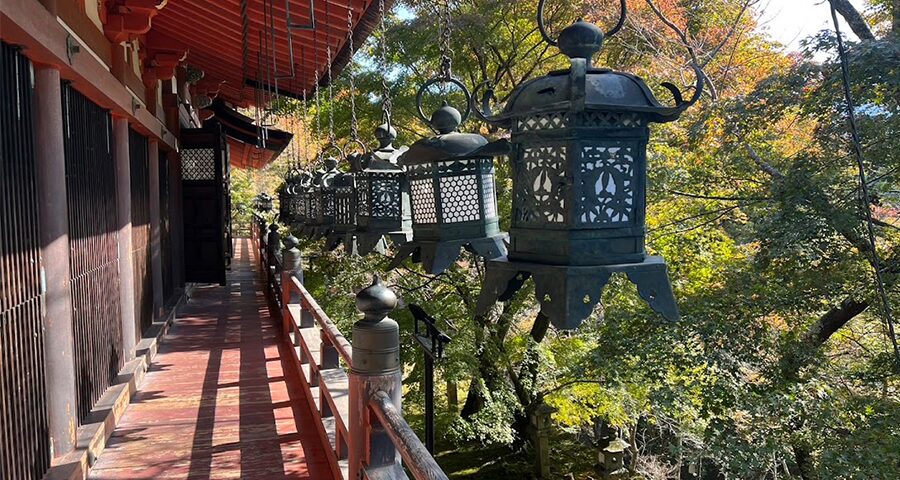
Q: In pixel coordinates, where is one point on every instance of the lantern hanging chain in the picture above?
(863, 183)
(305, 128)
(354, 123)
(446, 68)
(386, 103)
(331, 137)
(318, 121)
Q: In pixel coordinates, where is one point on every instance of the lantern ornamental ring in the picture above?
(543, 29)
(435, 80)
(334, 146)
(359, 143)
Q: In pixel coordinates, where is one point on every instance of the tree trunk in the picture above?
(855, 19)
(895, 18)
(452, 396)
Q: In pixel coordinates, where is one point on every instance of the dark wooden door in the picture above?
(204, 163)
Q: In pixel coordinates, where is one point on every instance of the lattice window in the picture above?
(607, 185)
(198, 164)
(423, 201)
(539, 189)
(546, 121)
(386, 197)
(362, 194)
(459, 199)
(612, 119)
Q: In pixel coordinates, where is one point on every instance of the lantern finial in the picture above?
(445, 119)
(580, 40)
(385, 134)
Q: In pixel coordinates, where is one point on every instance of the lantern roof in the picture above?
(603, 89)
(583, 88)
(447, 146)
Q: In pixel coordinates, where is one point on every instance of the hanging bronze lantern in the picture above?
(292, 197)
(578, 154)
(451, 181)
(322, 195)
(263, 203)
(382, 195)
(345, 205)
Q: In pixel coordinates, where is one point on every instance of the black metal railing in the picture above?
(93, 240)
(138, 151)
(24, 440)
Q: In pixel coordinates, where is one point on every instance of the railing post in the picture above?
(291, 267)
(376, 367)
(273, 243)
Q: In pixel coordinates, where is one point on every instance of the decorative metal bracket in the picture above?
(439, 256)
(348, 240)
(568, 295)
(72, 48)
(367, 243)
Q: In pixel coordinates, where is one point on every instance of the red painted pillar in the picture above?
(126, 267)
(156, 265)
(49, 150)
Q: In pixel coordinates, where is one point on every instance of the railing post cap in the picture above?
(290, 242)
(376, 301)
(273, 227)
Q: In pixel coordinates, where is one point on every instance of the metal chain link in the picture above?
(354, 124)
(305, 129)
(446, 34)
(318, 120)
(386, 102)
(331, 137)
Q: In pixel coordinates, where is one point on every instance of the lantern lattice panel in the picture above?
(607, 185)
(386, 200)
(422, 192)
(343, 206)
(543, 121)
(594, 118)
(198, 164)
(299, 205)
(459, 199)
(490, 196)
(539, 191)
(328, 203)
(362, 194)
(315, 207)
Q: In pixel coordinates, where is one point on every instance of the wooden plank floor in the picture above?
(219, 401)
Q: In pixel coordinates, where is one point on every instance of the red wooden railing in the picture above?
(325, 358)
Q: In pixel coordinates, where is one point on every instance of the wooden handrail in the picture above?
(289, 294)
(418, 460)
(341, 344)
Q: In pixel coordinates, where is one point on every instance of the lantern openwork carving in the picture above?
(453, 198)
(577, 148)
(293, 196)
